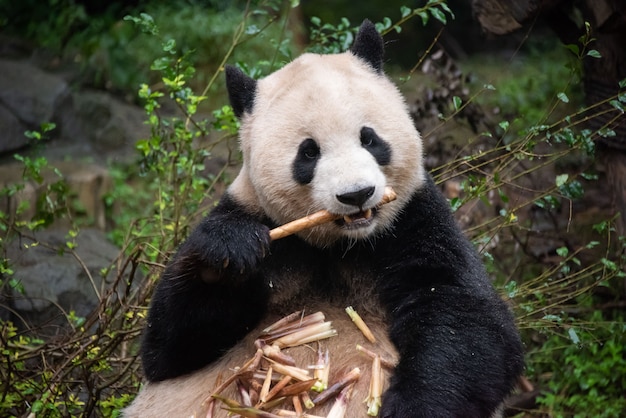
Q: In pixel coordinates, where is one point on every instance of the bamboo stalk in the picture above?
(288, 328)
(252, 412)
(277, 388)
(383, 361)
(318, 218)
(322, 370)
(307, 334)
(350, 377)
(297, 388)
(266, 384)
(341, 403)
(360, 324)
(295, 372)
(297, 405)
(308, 403)
(374, 399)
(283, 321)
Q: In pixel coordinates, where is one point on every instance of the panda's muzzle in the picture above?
(359, 219)
(357, 198)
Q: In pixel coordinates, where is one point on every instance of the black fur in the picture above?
(241, 90)
(303, 167)
(376, 146)
(368, 45)
(460, 353)
(202, 303)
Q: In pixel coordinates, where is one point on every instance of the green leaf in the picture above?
(563, 97)
(593, 53)
(622, 83)
(617, 105)
(445, 7)
(573, 336)
(439, 15)
(457, 102)
(561, 179)
(552, 318)
(404, 11)
(562, 251)
(424, 17)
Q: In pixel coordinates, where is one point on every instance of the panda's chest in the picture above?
(342, 278)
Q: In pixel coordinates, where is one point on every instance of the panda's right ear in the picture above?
(368, 46)
(241, 90)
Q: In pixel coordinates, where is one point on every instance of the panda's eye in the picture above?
(375, 145)
(309, 149)
(366, 140)
(368, 137)
(303, 167)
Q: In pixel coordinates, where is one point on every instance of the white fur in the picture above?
(186, 396)
(328, 98)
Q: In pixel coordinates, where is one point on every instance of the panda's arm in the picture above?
(209, 295)
(460, 353)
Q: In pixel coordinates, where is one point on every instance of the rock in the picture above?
(31, 94)
(56, 283)
(89, 182)
(12, 137)
(109, 124)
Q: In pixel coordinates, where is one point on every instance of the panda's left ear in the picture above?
(368, 46)
(241, 90)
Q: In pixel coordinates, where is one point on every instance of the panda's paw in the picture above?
(230, 250)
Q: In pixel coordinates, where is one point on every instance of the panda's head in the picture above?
(326, 132)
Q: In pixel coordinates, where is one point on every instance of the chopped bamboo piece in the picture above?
(308, 403)
(306, 335)
(358, 321)
(288, 413)
(266, 384)
(295, 372)
(273, 352)
(297, 405)
(231, 403)
(319, 218)
(350, 377)
(283, 321)
(252, 413)
(384, 362)
(323, 368)
(277, 388)
(341, 403)
(314, 318)
(243, 392)
(297, 388)
(374, 399)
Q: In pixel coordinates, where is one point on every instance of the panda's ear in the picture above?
(241, 90)
(368, 46)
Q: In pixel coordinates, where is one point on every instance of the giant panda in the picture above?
(331, 132)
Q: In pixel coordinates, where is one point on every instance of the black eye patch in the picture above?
(304, 164)
(376, 146)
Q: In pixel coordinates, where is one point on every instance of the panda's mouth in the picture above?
(359, 219)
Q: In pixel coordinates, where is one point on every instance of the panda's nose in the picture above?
(357, 198)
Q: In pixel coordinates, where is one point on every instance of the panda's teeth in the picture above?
(361, 215)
